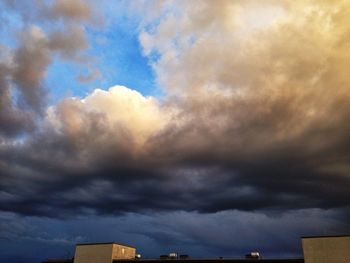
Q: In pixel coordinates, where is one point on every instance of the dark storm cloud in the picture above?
(95, 169)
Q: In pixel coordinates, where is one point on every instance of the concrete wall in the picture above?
(102, 253)
(99, 253)
(326, 249)
(123, 252)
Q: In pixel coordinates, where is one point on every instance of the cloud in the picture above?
(116, 124)
(215, 231)
(117, 108)
(254, 100)
(76, 9)
(249, 140)
(64, 10)
(92, 75)
(31, 60)
(69, 41)
(199, 235)
(11, 119)
(141, 167)
(254, 119)
(26, 58)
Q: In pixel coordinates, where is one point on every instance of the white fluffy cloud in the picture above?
(140, 117)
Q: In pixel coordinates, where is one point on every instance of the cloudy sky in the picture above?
(211, 128)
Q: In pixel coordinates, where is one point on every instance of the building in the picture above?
(101, 253)
(326, 249)
(316, 249)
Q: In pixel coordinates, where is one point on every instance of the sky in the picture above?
(209, 128)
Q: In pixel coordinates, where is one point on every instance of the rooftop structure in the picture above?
(317, 249)
(326, 249)
(299, 260)
(102, 253)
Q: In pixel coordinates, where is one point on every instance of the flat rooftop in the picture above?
(104, 243)
(225, 260)
(325, 236)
